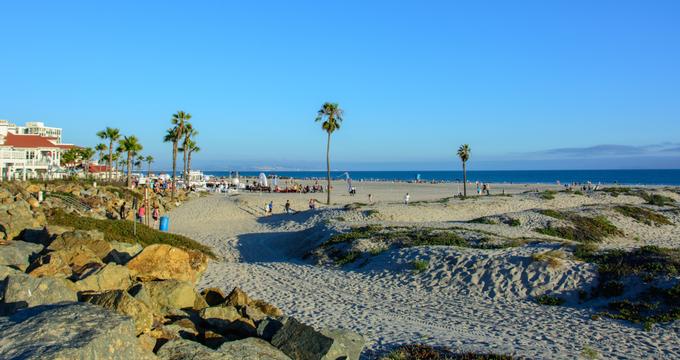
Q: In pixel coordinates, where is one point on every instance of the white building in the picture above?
(30, 151)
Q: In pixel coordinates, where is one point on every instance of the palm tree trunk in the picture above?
(184, 153)
(129, 170)
(328, 170)
(110, 160)
(148, 170)
(464, 181)
(174, 169)
(189, 164)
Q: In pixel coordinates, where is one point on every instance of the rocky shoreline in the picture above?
(70, 293)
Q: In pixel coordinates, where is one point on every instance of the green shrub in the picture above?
(552, 213)
(548, 194)
(420, 265)
(583, 229)
(483, 220)
(513, 222)
(658, 200)
(122, 231)
(426, 352)
(348, 257)
(549, 300)
(642, 215)
(371, 212)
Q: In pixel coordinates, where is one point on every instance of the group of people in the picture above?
(269, 207)
(483, 188)
(140, 213)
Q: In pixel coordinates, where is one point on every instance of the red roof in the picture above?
(30, 141)
(94, 168)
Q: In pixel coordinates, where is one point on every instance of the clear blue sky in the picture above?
(530, 84)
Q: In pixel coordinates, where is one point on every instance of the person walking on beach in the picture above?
(407, 197)
(370, 199)
(269, 209)
(155, 214)
(287, 206)
(141, 213)
(312, 204)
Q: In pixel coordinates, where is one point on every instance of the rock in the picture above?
(302, 342)
(251, 349)
(181, 349)
(268, 327)
(184, 328)
(66, 263)
(123, 303)
(69, 331)
(164, 262)
(21, 291)
(93, 240)
(346, 344)
(219, 316)
(16, 215)
(266, 308)
(253, 313)
(33, 189)
(33, 203)
(4, 272)
(146, 342)
(237, 298)
(163, 296)
(109, 277)
(213, 296)
(18, 253)
(121, 252)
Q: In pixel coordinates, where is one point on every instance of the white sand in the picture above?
(467, 299)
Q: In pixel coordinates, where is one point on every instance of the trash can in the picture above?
(164, 224)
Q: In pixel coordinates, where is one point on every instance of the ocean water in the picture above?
(627, 177)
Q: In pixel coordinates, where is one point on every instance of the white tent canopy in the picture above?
(262, 180)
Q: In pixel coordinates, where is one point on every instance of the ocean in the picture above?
(626, 177)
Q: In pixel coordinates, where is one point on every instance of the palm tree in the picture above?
(149, 159)
(464, 155)
(85, 155)
(179, 120)
(331, 115)
(189, 148)
(131, 145)
(112, 135)
(100, 148)
(171, 137)
(138, 163)
(189, 134)
(118, 158)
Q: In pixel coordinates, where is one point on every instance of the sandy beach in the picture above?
(466, 298)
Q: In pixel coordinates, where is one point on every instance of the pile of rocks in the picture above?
(71, 294)
(18, 210)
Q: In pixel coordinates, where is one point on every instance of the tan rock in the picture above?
(122, 302)
(266, 308)
(33, 202)
(237, 298)
(33, 188)
(147, 342)
(94, 240)
(213, 296)
(109, 277)
(65, 263)
(164, 296)
(164, 262)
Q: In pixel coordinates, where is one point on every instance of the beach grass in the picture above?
(122, 231)
(420, 265)
(642, 215)
(549, 300)
(582, 229)
(427, 352)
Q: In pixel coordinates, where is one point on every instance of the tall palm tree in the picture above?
(464, 155)
(171, 137)
(331, 115)
(189, 134)
(131, 146)
(138, 163)
(179, 120)
(118, 158)
(100, 148)
(189, 148)
(149, 159)
(112, 135)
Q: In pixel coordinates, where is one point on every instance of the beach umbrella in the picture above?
(263, 179)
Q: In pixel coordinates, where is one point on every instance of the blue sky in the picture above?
(530, 84)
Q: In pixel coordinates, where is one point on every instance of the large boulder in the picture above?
(240, 299)
(181, 349)
(213, 296)
(109, 277)
(251, 349)
(92, 239)
(164, 262)
(73, 262)
(165, 296)
(21, 291)
(122, 252)
(16, 215)
(302, 342)
(69, 331)
(4, 272)
(123, 303)
(18, 253)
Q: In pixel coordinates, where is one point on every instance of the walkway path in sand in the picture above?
(259, 255)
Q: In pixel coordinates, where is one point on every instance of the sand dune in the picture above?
(470, 299)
